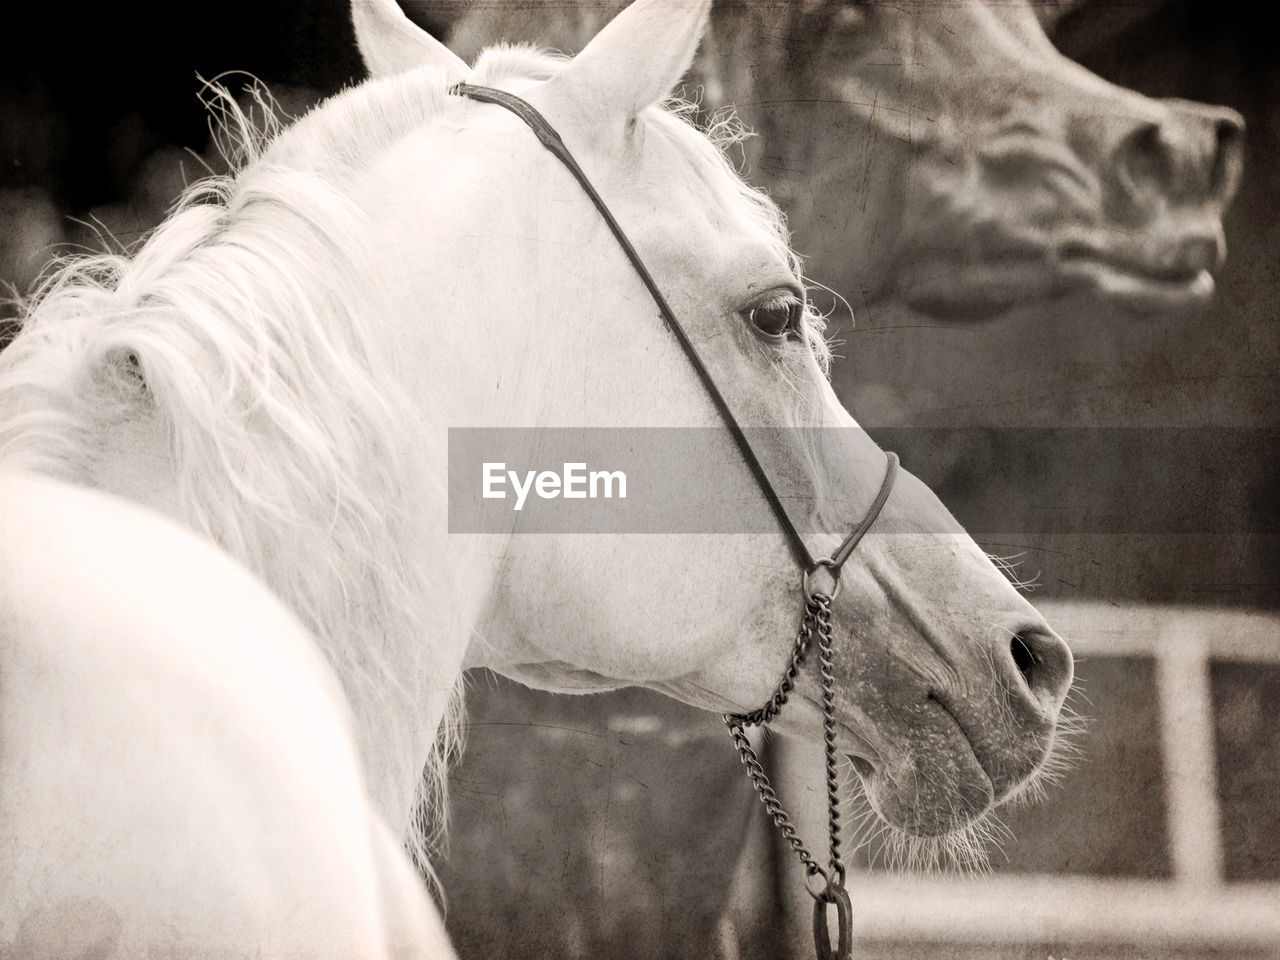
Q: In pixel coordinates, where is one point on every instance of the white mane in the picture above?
(241, 330)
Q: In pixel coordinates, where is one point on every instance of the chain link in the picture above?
(816, 622)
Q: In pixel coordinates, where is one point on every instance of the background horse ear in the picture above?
(637, 59)
(391, 43)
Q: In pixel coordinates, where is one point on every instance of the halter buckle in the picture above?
(826, 570)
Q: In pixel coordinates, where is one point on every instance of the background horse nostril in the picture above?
(1144, 164)
(1229, 132)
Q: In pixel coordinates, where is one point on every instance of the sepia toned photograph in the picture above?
(736, 479)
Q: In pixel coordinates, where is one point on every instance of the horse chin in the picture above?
(954, 290)
(1013, 268)
(1136, 291)
(936, 789)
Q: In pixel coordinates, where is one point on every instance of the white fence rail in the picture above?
(1195, 910)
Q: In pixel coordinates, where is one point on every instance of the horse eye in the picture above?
(777, 316)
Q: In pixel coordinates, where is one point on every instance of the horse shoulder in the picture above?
(178, 776)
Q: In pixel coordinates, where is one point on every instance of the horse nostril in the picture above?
(1024, 657)
(1228, 131)
(864, 767)
(1144, 164)
(1044, 662)
(1193, 154)
(1229, 155)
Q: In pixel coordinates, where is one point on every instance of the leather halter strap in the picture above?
(550, 139)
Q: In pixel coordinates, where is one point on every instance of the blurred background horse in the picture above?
(948, 154)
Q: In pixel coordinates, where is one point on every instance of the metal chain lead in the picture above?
(826, 660)
(773, 806)
(758, 718)
(817, 620)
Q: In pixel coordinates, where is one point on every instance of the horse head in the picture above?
(948, 153)
(281, 364)
(949, 683)
(977, 166)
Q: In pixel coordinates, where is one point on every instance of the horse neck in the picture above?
(251, 399)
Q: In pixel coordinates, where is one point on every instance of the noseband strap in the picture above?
(818, 597)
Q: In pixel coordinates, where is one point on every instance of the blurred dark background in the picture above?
(90, 90)
(101, 125)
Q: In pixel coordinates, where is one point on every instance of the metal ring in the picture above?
(831, 568)
(837, 897)
(821, 893)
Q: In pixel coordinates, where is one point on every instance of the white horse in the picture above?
(279, 366)
(177, 771)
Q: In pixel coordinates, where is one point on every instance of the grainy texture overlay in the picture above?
(1016, 218)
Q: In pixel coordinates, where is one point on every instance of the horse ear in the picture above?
(391, 43)
(637, 59)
